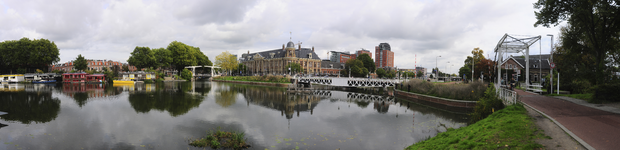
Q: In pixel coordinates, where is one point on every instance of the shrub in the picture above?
(148, 81)
(580, 86)
(159, 80)
(472, 91)
(186, 74)
(486, 105)
(606, 92)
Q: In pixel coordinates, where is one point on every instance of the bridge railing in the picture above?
(507, 96)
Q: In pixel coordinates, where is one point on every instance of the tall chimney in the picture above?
(299, 47)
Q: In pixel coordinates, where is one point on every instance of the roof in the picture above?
(534, 60)
(96, 75)
(280, 53)
(336, 65)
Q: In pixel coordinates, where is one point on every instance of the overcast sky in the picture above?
(111, 29)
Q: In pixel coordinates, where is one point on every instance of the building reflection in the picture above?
(289, 104)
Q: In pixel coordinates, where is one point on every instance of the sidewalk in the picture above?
(593, 128)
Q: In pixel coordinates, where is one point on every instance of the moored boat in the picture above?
(122, 82)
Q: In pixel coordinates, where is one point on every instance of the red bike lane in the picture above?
(599, 129)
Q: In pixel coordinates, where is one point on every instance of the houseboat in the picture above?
(137, 76)
(74, 77)
(12, 78)
(95, 78)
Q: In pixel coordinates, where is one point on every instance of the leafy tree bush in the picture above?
(186, 74)
(486, 105)
(606, 92)
(580, 86)
(80, 63)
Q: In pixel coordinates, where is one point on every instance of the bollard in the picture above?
(408, 88)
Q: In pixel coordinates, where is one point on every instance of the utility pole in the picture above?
(437, 71)
(472, 67)
(551, 61)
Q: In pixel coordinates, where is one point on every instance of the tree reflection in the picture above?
(226, 96)
(172, 98)
(28, 107)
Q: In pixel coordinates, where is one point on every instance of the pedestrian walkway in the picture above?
(593, 128)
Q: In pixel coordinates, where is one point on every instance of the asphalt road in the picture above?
(600, 129)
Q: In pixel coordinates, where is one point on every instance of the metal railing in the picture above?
(507, 96)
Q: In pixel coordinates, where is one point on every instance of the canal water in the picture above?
(166, 116)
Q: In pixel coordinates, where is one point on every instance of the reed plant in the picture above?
(472, 91)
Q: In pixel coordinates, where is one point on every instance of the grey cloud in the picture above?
(212, 11)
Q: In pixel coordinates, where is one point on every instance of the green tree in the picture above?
(380, 73)
(186, 74)
(27, 54)
(593, 29)
(356, 67)
(125, 68)
(182, 55)
(80, 63)
(142, 57)
(465, 71)
(227, 61)
(241, 69)
(420, 74)
(368, 62)
(295, 68)
(163, 57)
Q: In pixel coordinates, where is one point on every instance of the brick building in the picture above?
(96, 65)
(274, 61)
(331, 68)
(343, 57)
(384, 57)
(538, 63)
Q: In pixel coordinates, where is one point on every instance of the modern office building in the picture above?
(384, 57)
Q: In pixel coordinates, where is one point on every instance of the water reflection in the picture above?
(164, 116)
(28, 106)
(173, 97)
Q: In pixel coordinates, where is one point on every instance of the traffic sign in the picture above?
(552, 65)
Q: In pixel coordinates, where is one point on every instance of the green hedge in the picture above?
(607, 92)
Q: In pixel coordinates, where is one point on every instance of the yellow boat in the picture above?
(122, 81)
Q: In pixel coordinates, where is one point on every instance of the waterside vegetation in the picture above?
(471, 92)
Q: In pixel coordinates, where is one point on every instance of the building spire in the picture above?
(291, 37)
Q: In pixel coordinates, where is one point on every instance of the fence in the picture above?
(507, 96)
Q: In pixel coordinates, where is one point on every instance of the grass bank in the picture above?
(266, 79)
(509, 128)
(587, 97)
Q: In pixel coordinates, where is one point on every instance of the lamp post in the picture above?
(436, 71)
(448, 64)
(472, 68)
(551, 69)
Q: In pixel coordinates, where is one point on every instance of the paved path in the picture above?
(599, 129)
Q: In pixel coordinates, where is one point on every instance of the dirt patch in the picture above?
(558, 138)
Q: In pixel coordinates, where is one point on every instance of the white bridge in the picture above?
(213, 73)
(348, 82)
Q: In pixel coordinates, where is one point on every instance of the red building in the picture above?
(359, 52)
(384, 57)
(74, 77)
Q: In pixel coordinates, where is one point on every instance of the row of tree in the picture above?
(177, 55)
(27, 55)
(362, 66)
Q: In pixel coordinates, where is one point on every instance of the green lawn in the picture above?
(586, 97)
(509, 128)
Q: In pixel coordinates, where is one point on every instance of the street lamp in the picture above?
(551, 69)
(436, 71)
(448, 64)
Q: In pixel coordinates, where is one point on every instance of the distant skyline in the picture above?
(110, 29)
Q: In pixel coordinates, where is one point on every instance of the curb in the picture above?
(579, 140)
